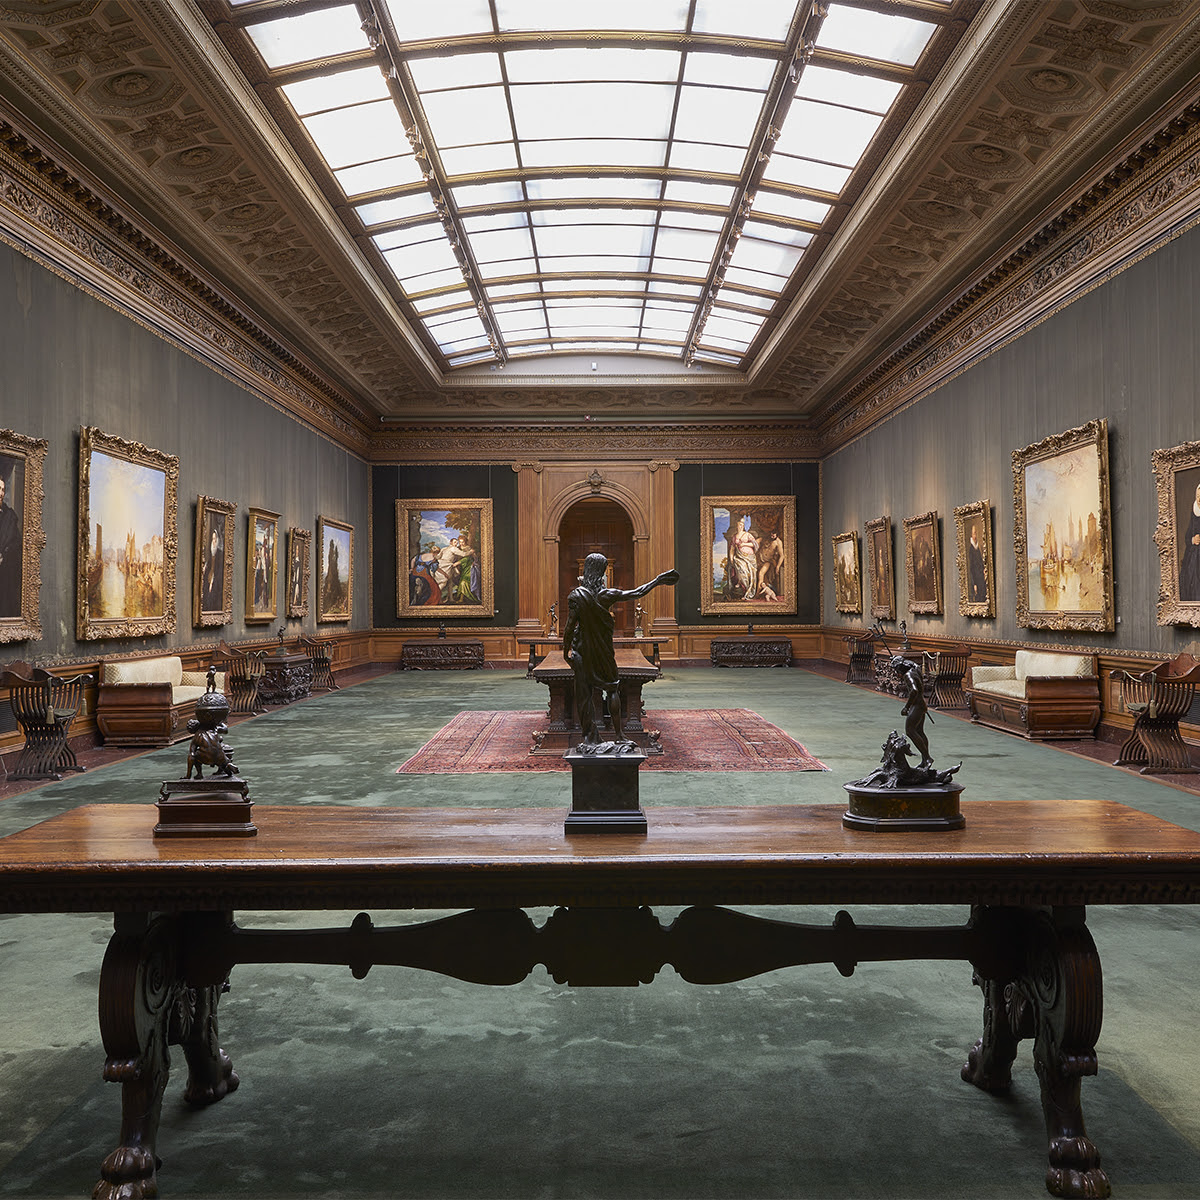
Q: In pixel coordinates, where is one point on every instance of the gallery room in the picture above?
(614, 585)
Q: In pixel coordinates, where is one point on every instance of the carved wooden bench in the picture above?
(148, 701)
(1043, 695)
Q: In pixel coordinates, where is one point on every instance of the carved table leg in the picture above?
(1054, 994)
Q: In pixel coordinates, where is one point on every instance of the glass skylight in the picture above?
(590, 186)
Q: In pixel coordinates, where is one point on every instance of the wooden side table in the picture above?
(286, 677)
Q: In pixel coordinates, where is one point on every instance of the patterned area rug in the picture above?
(706, 739)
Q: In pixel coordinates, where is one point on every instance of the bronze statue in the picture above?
(588, 643)
(207, 728)
(915, 708)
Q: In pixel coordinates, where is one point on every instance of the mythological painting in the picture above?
(878, 543)
(212, 581)
(847, 582)
(747, 555)
(335, 583)
(976, 560)
(444, 563)
(1177, 478)
(1062, 534)
(262, 566)
(128, 513)
(21, 535)
(923, 563)
(299, 573)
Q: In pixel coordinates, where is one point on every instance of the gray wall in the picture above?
(1126, 351)
(67, 360)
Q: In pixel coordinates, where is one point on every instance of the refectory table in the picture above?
(1026, 869)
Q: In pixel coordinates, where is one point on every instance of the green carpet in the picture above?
(798, 1083)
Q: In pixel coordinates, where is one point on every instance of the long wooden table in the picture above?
(1026, 869)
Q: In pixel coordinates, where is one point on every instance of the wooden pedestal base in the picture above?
(932, 807)
(218, 807)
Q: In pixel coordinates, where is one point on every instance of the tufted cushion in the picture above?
(1014, 688)
(1044, 662)
(989, 677)
(146, 670)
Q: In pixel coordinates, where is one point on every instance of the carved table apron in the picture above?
(1026, 869)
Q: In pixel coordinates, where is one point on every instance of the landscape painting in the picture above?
(1062, 537)
(847, 582)
(128, 510)
(747, 555)
(21, 535)
(335, 585)
(444, 563)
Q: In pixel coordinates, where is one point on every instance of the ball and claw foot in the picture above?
(128, 1173)
(1075, 1169)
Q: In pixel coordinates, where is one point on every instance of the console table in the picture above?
(286, 677)
(1026, 869)
(750, 651)
(441, 654)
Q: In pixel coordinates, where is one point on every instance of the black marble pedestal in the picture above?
(604, 790)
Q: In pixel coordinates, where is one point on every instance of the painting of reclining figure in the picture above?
(444, 558)
(748, 554)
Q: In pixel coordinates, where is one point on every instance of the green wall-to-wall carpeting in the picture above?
(799, 1083)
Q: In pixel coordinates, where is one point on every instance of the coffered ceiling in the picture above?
(513, 211)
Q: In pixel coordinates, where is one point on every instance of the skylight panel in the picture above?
(730, 296)
(587, 110)
(456, 330)
(699, 156)
(467, 116)
(669, 319)
(494, 220)
(476, 343)
(679, 266)
(497, 290)
(528, 351)
(759, 280)
(446, 18)
(529, 304)
(590, 264)
(448, 300)
(358, 134)
(528, 323)
(472, 160)
(635, 287)
(378, 176)
(804, 172)
(777, 233)
(415, 284)
(844, 87)
(487, 193)
(593, 239)
(562, 302)
(728, 323)
(391, 239)
(505, 268)
(795, 207)
(315, 35)
(336, 91)
(457, 71)
(551, 66)
(593, 216)
(729, 70)
(501, 244)
(612, 14)
(463, 360)
(874, 35)
(745, 18)
(686, 243)
(593, 316)
(416, 204)
(600, 152)
(669, 287)
(699, 193)
(827, 132)
(418, 259)
(755, 255)
(593, 188)
(717, 357)
(725, 115)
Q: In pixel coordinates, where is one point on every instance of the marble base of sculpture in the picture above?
(932, 806)
(604, 789)
(215, 807)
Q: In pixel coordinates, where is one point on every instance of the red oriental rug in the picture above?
(706, 739)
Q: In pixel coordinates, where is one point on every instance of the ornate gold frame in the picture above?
(202, 617)
(26, 625)
(979, 514)
(299, 547)
(1087, 445)
(89, 626)
(913, 526)
(843, 600)
(266, 517)
(877, 546)
(334, 614)
(1169, 465)
(711, 604)
(408, 511)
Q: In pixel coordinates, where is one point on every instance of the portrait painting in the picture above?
(1177, 533)
(1062, 535)
(847, 582)
(444, 558)
(262, 565)
(878, 543)
(22, 539)
(299, 572)
(975, 559)
(212, 582)
(128, 538)
(923, 563)
(335, 583)
(747, 555)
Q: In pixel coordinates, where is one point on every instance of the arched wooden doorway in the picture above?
(596, 526)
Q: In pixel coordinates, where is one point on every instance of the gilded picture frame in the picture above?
(1177, 533)
(877, 545)
(22, 538)
(445, 563)
(299, 571)
(923, 563)
(212, 574)
(747, 555)
(847, 573)
(1062, 531)
(262, 566)
(975, 559)
(128, 538)
(335, 583)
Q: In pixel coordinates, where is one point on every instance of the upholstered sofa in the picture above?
(148, 701)
(1043, 695)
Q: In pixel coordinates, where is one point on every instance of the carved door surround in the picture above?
(545, 491)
